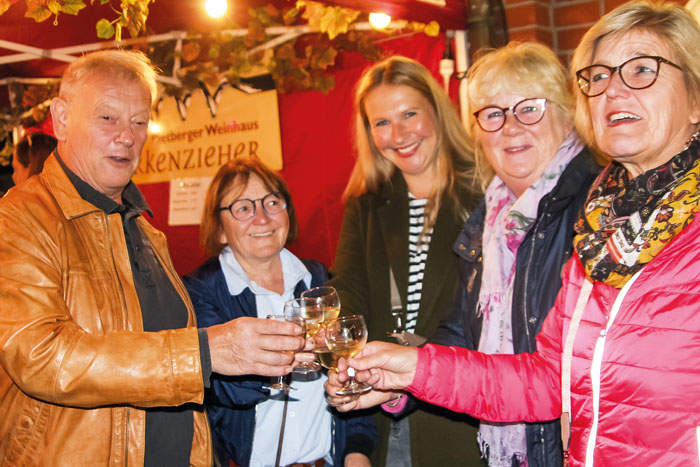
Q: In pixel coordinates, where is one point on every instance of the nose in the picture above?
(511, 124)
(126, 136)
(399, 133)
(615, 86)
(260, 216)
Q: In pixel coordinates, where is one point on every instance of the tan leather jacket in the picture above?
(76, 372)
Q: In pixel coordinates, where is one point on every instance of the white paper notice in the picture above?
(187, 200)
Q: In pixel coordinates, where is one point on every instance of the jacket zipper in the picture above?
(596, 366)
(126, 438)
(525, 288)
(105, 219)
(543, 450)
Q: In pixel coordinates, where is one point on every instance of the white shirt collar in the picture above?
(293, 270)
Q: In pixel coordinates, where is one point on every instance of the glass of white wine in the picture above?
(279, 384)
(311, 316)
(345, 337)
(327, 298)
(324, 356)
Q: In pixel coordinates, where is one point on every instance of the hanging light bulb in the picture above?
(154, 127)
(379, 20)
(216, 8)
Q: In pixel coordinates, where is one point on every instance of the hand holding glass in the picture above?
(345, 337)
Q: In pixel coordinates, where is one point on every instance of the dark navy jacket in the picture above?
(541, 256)
(231, 401)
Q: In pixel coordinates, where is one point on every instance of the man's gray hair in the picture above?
(128, 65)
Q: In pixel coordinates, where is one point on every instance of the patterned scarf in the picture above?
(508, 219)
(626, 223)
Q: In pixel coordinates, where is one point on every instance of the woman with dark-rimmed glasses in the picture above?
(247, 220)
(618, 357)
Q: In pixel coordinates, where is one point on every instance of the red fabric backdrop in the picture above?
(317, 156)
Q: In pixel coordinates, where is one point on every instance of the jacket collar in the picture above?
(392, 216)
(575, 175)
(76, 198)
(469, 240)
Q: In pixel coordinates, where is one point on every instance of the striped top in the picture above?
(417, 254)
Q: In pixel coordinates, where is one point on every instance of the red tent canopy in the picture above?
(315, 128)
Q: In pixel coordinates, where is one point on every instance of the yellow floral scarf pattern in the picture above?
(627, 222)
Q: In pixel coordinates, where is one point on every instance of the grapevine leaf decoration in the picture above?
(41, 10)
(5, 5)
(190, 51)
(302, 63)
(132, 17)
(105, 29)
(6, 151)
(72, 7)
(37, 10)
(331, 20)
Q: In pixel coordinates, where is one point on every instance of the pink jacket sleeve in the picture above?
(498, 388)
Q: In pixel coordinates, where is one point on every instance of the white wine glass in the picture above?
(279, 383)
(327, 298)
(345, 337)
(310, 316)
(324, 356)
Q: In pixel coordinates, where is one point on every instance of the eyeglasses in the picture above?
(244, 209)
(636, 73)
(527, 112)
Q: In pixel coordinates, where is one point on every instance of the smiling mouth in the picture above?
(264, 234)
(621, 117)
(516, 148)
(408, 149)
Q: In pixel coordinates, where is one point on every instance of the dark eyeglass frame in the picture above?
(539, 100)
(585, 83)
(276, 194)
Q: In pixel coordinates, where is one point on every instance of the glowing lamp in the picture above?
(379, 20)
(154, 127)
(216, 8)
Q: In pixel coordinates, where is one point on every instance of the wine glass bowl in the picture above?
(324, 356)
(307, 312)
(327, 298)
(345, 337)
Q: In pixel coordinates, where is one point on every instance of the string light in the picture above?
(379, 20)
(216, 8)
(154, 127)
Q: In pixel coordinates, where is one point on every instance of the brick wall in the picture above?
(557, 23)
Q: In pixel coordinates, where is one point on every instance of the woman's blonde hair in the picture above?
(236, 173)
(454, 162)
(526, 68)
(671, 23)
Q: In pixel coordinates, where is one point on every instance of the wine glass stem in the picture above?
(351, 378)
